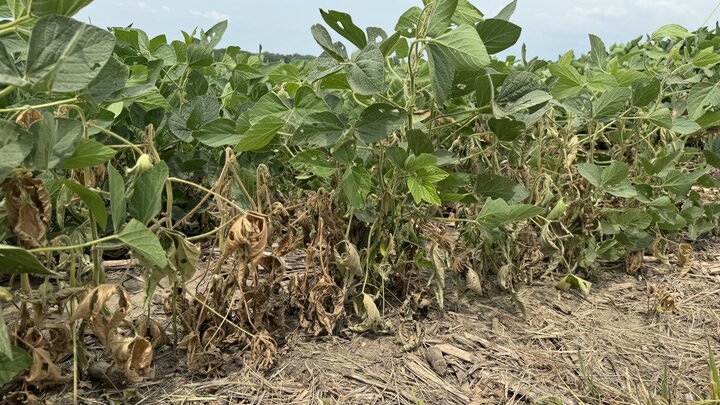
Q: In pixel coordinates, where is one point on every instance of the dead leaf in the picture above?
(151, 330)
(326, 306)
(28, 208)
(263, 350)
(91, 309)
(44, 372)
(133, 356)
(633, 261)
(347, 260)
(371, 314)
(685, 258)
(28, 117)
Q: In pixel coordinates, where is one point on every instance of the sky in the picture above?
(550, 27)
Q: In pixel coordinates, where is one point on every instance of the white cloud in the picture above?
(593, 12)
(210, 15)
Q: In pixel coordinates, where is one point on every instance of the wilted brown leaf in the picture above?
(44, 372)
(91, 309)
(325, 306)
(133, 357)
(371, 314)
(151, 330)
(685, 258)
(262, 351)
(28, 208)
(633, 261)
(28, 117)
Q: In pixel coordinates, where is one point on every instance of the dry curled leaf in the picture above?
(409, 335)
(347, 260)
(151, 330)
(664, 300)
(325, 305)
(472, 281)
(28, 117)
(685, 258)
(441, 266)
(633, 261)
(263, 350)
(21, 398)
(371, 314)
(133, 356)
(28, 208)
(91, 309)
(44, 372)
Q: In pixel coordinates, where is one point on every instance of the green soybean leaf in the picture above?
(423, 191)
(118, 203)
(214, 35)
(464, 47)
(661, 117)
(612, 102)
(65, 7)
(497, 212)
(706, 58)
(199, 56)
(466, 13)
(606, 176)
(367, 72)
(569, 81)
(407, 23)
(9, 73)
(645, 91)
(419, 142)
(16, 260)
(11, 365)
(679, 182)
(701, 96)
(438, 16)
(15, 145)
(356, 185)
(507, 11)
(416, 162)
(313, 161)
(517, 85)
(55, 140)
(146, 199)
(343, 24)
(66, 55)
(506, 129)
(378, 121)
(319, 130)
(216, 133)
(112, 77)
(598, 53)
(672, 31)
(260, 134)
(494, 186)
(91, 199)
(143, 243)
(442, 72)
(89, 153)
(685, 126)
(322, 37)
(498, 35)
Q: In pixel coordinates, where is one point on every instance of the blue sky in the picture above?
(549, 27)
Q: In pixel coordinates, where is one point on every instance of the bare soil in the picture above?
(611, 347)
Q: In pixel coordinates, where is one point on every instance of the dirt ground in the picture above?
(611, 347)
